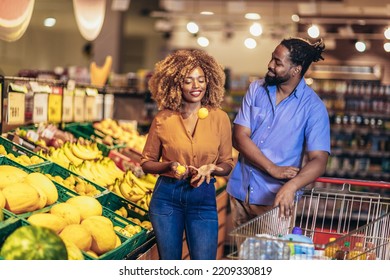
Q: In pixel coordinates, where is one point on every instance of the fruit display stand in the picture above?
(21, 154)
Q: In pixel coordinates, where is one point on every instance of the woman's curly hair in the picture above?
(169, 74)
(302, 52)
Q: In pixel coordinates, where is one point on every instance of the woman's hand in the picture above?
(177, 173)
(199, 175)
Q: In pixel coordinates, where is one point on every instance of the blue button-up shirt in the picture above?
(282, 132)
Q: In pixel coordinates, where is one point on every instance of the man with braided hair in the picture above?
(280, 120)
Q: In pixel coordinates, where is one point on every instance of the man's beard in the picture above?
(274, 81)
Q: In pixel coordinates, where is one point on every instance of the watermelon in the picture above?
(33, 243)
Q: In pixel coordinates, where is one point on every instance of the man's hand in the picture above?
(202, 173)
(285, 200)
(283, 172)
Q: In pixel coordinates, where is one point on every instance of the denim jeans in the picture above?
(176, 207)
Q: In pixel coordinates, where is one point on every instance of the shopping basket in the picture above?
(329, 208)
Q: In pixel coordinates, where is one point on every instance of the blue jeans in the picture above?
(176, 207)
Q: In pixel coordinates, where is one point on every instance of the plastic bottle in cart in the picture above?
(298, 237)
(357, 253)
(331, 250)
(342, 253)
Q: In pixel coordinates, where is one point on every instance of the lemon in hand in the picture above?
(203, 113)
(181, 169)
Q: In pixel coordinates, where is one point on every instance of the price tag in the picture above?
(55, 105)
(78, 105)
(15, 108)
(40, 107)
(67, 106)
(90, 108)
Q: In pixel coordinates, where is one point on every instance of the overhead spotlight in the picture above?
(252, 16)
(295, 18)
(256, 29)
(250, 43)
(49, 22)
(192, 27)
(313, 31)
(387, 33)
(203, 41)
(360, 46)
(386, 46)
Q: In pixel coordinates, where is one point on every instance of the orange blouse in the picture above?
(168, 140)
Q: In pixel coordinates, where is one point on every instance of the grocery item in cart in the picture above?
(331, 250)
(264, 247)
(303, 245)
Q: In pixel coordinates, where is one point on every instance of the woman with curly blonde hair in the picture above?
(188, 143)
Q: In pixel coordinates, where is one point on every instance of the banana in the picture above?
(125, 189)
(142, 183)
(69, 154)
(82, 152)
(150, 178)
(99, 174)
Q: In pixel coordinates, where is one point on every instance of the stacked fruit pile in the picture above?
(75, 184)
(22, 158)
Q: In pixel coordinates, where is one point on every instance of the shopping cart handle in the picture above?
(363, 183)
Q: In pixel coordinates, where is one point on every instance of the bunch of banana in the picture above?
(75, 184)
(56, 155)
(145, 224)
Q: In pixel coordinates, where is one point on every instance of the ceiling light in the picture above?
(250, 43)
(192, 27)
(295, 18)
(203, 41)
(256, 29)
(387, 33)
(313, 31)
(386, 46)
(252, 16)
(207, 13)
(49, 22)
(360, 46)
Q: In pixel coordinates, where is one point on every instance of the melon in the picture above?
(39, 180)
(33, 243)
(103, 235)
(2, 200)
(74, 253)
(67, 211)
(54, 222)
(79, 235)
(10, 174)
(87, 205)
(21, 198)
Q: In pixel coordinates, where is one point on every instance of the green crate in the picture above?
(18, 150)
(87, 131)
(57, 170)
(113, 202)
(10, 223)
(63, 193)
(128, 245)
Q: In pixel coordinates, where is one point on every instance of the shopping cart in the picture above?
(353, 212)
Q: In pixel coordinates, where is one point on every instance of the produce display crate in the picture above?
(87, 131)
(62, 191)
(128, 245)
(18, 150)
(113, 202)
(10, 223)
(57, 170)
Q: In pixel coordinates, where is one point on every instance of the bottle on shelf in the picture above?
(343, 252)
(330, 251)
(357, 253)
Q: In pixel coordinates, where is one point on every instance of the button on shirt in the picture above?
(169, 140)
(299, 122)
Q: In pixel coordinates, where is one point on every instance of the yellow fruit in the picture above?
(181, 169)
(118, 241)
(48, 220)
(21, 198)
(2, 200)
(103, 235)
(77, 234)
(10, 174)
(203, 113)
(42, 196)
(2, 150)
(87, 205)
(102, 219)
(92, 254)
(42, 181)
(67, 211)
(74, 253)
